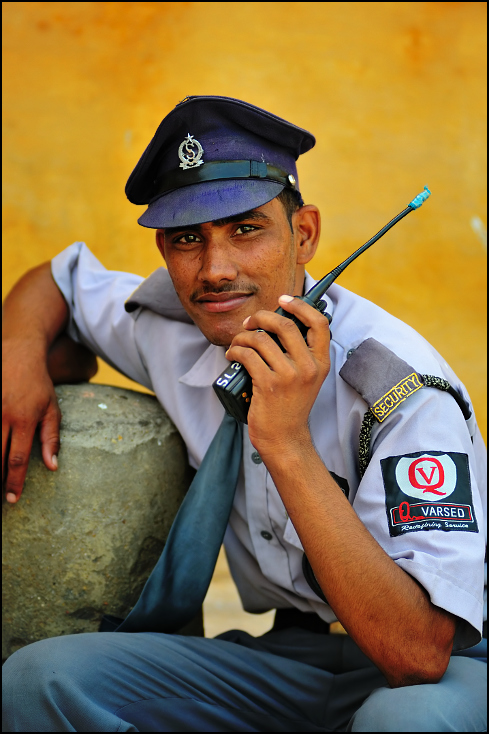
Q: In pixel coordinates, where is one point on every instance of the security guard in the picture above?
(361, 489)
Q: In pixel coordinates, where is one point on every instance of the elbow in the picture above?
(430, 669)
(70, 362)
(425, 658)
(414, 678)
(92, 367)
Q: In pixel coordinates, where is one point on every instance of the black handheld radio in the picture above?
(234, 386)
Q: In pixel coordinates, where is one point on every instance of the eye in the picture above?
(245, 228)
(189, 238)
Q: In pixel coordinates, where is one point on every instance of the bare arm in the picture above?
(35, 354)
(386, 612)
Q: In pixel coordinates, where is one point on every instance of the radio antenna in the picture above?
(317, 291)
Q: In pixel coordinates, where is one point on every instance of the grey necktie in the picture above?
(175, 590)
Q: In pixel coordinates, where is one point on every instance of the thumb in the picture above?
(49, 437)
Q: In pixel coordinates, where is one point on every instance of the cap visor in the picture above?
(207, 202)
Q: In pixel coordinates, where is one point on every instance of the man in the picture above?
(389, 542)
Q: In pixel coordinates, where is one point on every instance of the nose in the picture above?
(218, 262)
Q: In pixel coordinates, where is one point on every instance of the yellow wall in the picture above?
(394, 92)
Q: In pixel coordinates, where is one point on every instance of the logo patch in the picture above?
(384, 406)
(417, 487)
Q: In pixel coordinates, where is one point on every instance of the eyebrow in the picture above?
(252, 214)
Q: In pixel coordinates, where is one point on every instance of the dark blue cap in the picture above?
(213, 157)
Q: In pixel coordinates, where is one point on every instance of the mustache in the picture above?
(251, 288)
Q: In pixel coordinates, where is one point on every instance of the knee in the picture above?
(456, 703)
(393, 709)
(43, 670)
(39, 682)
(29, 670)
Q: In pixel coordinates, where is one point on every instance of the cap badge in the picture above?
(190, 153)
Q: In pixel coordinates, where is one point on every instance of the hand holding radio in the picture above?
(234, 387)
(287, 369)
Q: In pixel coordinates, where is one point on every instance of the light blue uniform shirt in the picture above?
(176, 361)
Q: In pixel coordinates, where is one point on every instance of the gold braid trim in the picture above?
(369, 420)
(432, 381)
(364, 441)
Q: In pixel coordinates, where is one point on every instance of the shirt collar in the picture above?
(207, 368)
(157, 294)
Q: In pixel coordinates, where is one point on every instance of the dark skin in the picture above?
(230, 277)
(36, 355)
(225, 271)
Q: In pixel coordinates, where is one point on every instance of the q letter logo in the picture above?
(430, 478)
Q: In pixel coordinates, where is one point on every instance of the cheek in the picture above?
(276, 260)
(277, 276)
(182, 274)
(281, 269)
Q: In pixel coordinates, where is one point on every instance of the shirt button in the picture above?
(256, 458)
(265, 534)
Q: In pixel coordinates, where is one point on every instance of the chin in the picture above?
(220, 337)
(220, 343)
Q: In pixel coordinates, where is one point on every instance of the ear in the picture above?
(306, 223)
(160, 242)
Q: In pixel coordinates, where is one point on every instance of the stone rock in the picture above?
(82, 541)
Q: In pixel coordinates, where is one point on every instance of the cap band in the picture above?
(216, 170)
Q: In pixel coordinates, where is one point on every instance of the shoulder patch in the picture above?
(428, 491)
(383, 379)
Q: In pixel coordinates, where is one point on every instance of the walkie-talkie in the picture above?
(234, 386)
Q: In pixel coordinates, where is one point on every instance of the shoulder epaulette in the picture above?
(384, 381)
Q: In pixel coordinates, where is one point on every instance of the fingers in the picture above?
(17, 461)
(288, 333)
(254, 361)
(49, 436)
(256, 342)
(302, 363)
(17, 438)
(5, 440)
(318, 336)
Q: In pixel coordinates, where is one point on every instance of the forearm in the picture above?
(383, 609)
(35, 312)
(35, 354)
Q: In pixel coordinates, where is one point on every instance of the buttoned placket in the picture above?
(257, 500)
(262, 520)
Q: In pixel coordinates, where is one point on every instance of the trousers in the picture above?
(286, 680)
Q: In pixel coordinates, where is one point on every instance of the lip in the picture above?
(221, 302)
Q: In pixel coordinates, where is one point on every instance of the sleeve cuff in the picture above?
(62, 267)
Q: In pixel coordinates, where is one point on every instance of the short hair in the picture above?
(291, 201)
